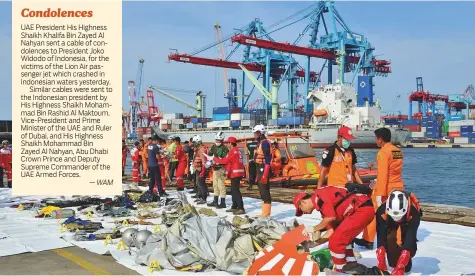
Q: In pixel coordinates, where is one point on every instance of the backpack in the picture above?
(355, 188)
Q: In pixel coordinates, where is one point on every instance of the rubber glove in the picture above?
(312, 233)
(192, 169)
(265, 174)
(372, 183)
(379, 200)
(208, 157)
(381, 257)
(404, 259)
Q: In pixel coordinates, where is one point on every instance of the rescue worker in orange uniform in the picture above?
(263, 158)
(180, 155)
(276, 164)
(401, 211)
(235, 171)
(198, 166)
(161, 163)
(338, 161)
(145, 156)
(344, 216)
(136, 161)
(6, 161)
(389, 161)
(125, 150)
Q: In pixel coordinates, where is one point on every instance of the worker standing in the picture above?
(162, 158)
(276, 164)
(153, 168)
(6, 161)
(125, 150)
(136, 162)
(251, 164)
(200, 169)
(219, 173)
(235, 171)
(145, 157)
(401, 211)
(344, 216)
(182, 164)
(263, 159)
(173, 160)
(338, 161)
(389, 162)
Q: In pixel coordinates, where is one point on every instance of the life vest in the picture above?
(220, 152)
(251, 148)
(197, 161)
(260, 157)
(341, 169)
(412, 200)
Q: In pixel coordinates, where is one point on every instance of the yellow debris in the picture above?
(121, 246)
(154, 265)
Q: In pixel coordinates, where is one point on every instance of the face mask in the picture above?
(345, 143)
(218, 144)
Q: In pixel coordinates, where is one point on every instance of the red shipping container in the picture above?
(148, 131)
(454, 134)
(415, 128)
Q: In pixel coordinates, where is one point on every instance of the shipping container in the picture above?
(455, 124)
(417, 134)
(413, 127)
(163, 121)
(467, 134)
(177, 121)
(471, 140)
(456, 117)
(235, 123)
(461, 140)
(220, 117)
(246, 123)
(467, 123)
(290, 121)
(428, 118)
(456, 98)
(223, 123)
(190, 126)
(466, 129)
(453, 129)
(272, 123)
(453, 134)
(169, 116)
(226, 110)
(411, 123)
(240, 116)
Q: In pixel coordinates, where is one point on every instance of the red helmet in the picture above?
(232, 140)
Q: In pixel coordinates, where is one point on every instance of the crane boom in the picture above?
(200, 101)
(259, 86)
(222, 56)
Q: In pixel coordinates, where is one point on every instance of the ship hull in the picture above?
(320, 138)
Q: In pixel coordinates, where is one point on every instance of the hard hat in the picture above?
(197, 139)
(219, 136)
(259, 128)
(346, 133)
(128, 237)
(397, 205)
(5, 142)
(171, 137)
(141, 238)
(232, 140)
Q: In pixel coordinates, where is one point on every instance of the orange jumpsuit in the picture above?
(125, 150)
(145, 158)
(182, 164)
(340, 165)
(6, 162)
(276, 163)
(389, 162)
(136, 161)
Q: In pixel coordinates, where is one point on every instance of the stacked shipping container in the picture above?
(432, 127)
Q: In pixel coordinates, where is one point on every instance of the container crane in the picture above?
(200, 104)
(134, 94)
(424, 98)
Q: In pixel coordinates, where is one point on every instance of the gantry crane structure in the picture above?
(134, 94)
(350, 51)
(200, 103)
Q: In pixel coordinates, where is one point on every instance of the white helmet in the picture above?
(219, 136)
(197, 139)
(259, 128)
(171, 137)
(397, 205)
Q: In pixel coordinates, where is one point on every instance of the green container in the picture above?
(323, 257)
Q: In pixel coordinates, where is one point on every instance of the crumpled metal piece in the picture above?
(208, 212)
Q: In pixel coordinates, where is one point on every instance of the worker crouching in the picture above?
(235, 171)
(344, 215)
(401, 211)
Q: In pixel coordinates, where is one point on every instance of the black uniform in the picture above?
(387, 234)
(329, 153)
(251, 148)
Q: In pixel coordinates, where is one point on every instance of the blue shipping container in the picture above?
(221, 117)
(466, 128)
(411, 123)
(471, 140)
(235, 123)
(456, 117)
(290, 121)
(467, 134)
(221, 110)
(428, 118)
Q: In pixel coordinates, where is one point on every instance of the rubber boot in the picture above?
(222, 204)
(214, 203)
(265, 212)
(9, 184)
(249, 188)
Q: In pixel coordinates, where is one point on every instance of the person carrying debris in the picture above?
(339, 160)
(6, 161)
(235, 171)
(251, 147)
(153, 168)
(345, 213)
(276, 164)
(263, 159)
(219, 173)
(182, 164)
(125, 150)
(401, 211)
(136, 161)
(198, 166)
(389, 161)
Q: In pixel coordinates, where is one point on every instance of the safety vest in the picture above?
(341, 169)
(251, 148)
(276, 156)
(197, 162)
(260, 157)
(412, 200)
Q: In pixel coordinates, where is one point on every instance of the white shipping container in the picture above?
(454, 129)
(460, 140)
(467, 123)
(163, 121)
(210, 125)
(189, 125)
(246, 123)
(236, 116)
(177, 121)
(169, 116)
(423, 129)
(419, 134)
(455, 123)
(224, 123)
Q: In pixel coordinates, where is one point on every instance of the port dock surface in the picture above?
(429, 145)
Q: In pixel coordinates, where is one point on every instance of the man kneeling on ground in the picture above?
(344, 214)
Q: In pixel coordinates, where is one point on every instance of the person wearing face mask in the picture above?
(389, 161)
(338, 161)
